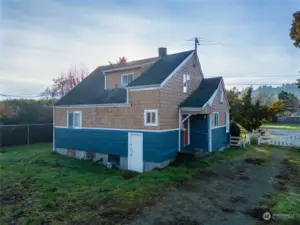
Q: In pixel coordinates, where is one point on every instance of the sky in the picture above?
(245, 41)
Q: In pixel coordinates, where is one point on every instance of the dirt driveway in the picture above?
(223, 195)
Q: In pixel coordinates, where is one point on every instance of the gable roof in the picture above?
(204, 92)
(157, 73)
(92, 89)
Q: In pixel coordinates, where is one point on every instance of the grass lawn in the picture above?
(281, 126)
(38, 185)
(286, 204)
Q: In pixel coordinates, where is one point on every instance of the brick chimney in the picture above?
(162, 52)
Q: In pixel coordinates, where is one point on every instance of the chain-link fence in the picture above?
(25, 134)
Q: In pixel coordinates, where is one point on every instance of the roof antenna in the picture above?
(196, 43)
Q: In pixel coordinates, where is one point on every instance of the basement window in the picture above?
(151, 117)
(114, 159)
(74, 119)
(126, 79)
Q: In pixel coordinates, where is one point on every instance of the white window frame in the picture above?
(146, 111)
(186, 83)
(227, 121)
(126, 74)
(80, 120)
(214, 119)
(221, 96)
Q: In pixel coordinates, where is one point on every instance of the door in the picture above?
(135, 152)
(186, 126)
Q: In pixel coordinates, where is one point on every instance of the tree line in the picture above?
(251, 114)
(31, 111)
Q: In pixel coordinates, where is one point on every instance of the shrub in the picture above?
(234, 129)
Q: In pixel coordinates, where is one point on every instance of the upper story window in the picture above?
(126, 79)
(186, 83)
(221, 96)
(151, 117)
(215, 119)
(74, 119)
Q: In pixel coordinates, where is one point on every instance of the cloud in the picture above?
(40, 39)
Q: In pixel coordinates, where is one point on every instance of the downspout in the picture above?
(209, 134)
(54, 120)
(179, 130)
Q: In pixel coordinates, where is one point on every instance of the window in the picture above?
(216, 119)
(151, 117)
(126, 79)
(221, 96)
(74, 119)
(186, 83)
(227, 122)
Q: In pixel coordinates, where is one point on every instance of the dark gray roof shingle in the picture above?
(91, 89)
(157, 73)
(204, 92)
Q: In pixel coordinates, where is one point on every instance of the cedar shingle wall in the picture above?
(172, 94)
(221, 108)
(115, 117)
(165, 100)
(218, 107)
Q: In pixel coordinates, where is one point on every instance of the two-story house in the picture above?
(138, 115)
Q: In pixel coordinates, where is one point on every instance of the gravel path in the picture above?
(222, 196)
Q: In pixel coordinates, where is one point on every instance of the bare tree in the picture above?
(66, 81)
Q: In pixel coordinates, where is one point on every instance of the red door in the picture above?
(186, 132)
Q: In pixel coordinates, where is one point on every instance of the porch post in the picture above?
(209, 133)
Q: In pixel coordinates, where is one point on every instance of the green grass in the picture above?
(287, 207)
(286, 204)
(37, 185)
(281, 126)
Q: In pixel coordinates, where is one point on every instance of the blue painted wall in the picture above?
(158, 146)
(199, 132)
(219, 138)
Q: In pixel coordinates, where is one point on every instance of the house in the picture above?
(140, 114)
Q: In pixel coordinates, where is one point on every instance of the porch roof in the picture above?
(202, 95)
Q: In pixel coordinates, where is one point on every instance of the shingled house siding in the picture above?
(172, 94)
(125, 117)
(218, 107)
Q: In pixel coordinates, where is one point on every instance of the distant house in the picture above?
(139, 115)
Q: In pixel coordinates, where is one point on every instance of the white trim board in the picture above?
(93, 105)
(218, 127)
(144, 89)
(117, 129)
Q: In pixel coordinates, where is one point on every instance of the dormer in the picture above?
(121, 76)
